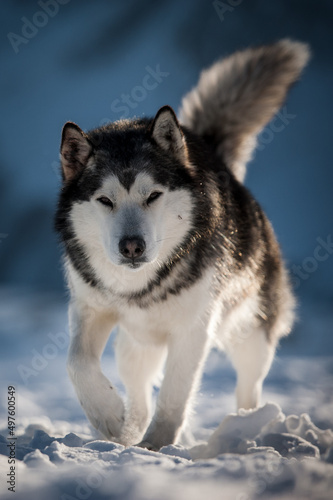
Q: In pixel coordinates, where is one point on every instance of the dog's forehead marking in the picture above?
(127, 178)
(142, 185)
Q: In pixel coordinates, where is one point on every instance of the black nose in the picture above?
(132, 248)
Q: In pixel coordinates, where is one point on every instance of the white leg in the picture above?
(90, 331)
(137, 365)
(186, 355)
(252, 357)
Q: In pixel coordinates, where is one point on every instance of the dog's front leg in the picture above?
(90, 330)
(138, 365)
(186, 355)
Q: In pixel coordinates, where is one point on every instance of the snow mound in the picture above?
(252, 454)
(266, 428)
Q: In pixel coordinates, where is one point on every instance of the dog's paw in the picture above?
(148, 446)
(129, 435)
(107, 423)
(102, 405)
(158, 435)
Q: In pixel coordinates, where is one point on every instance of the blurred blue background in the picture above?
(74, 60)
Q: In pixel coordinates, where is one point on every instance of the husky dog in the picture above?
(162, 239)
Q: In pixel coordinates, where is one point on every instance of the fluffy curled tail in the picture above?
(237, 96)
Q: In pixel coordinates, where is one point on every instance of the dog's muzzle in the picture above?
(132, 249)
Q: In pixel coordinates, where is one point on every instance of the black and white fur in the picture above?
(162, 239)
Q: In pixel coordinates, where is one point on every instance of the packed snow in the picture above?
(250, 455)
(282, 450)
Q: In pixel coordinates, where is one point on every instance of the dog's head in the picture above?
(127, 191)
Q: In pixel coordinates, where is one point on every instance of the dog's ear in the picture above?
(75, 150)
(167, 133)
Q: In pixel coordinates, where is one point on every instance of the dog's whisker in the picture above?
(168, 238)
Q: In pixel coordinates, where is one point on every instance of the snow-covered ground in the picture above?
(263, 454)
(75, 68)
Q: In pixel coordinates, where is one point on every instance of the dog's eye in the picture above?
(153, 197)
(105, 201)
